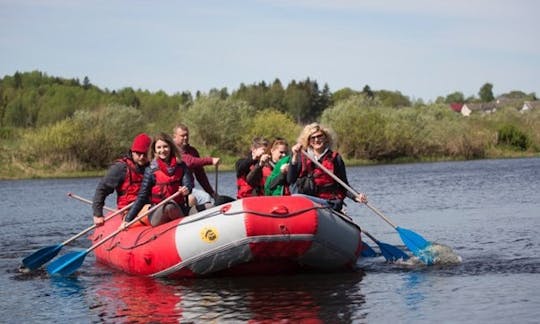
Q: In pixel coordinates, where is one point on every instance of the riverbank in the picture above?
(16, 170)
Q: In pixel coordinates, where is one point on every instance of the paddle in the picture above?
(216, 184)
(389, 252)
(415, 242)
(74, 196)
(68, 263)
(367, 251)
(43, 255)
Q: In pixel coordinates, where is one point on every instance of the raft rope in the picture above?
(216, 213)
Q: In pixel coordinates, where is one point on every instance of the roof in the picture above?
(456, 106)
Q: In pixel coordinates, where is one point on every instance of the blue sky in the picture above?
(422, 48)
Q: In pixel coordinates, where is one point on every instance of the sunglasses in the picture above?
(314, 137)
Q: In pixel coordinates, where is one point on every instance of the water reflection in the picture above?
(136, 300)
(309, 297)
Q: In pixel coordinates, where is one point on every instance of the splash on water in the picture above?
(443, 254)
(437, 254)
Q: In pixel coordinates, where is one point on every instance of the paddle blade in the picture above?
(41, 256)
(418, 245)
(392, 253)
(367, 251)
(67, 264)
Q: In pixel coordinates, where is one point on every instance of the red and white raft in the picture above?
(256, 235)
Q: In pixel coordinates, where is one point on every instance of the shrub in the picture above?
(510, 135)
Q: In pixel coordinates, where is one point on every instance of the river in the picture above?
(486, 211)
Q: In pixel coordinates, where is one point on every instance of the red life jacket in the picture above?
(266, 172)
(128, 190)
(166, 185)
(327, 187)
(246, 190)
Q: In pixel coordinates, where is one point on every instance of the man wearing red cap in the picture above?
(124, 176)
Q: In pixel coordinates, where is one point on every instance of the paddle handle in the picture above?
(346, 186)
(136, 219)
(74, 196)
(216, 184)
(73, 238)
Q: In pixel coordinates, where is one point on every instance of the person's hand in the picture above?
(361, 198)
(258, 152)
(284, 168)
(183, 190)
(265, 158)
(216, 160)
(123, 225)
(296, 148)
(99, 220)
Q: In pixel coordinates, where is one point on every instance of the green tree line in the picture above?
(51, 126)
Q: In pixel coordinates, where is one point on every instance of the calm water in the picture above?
(486, 211)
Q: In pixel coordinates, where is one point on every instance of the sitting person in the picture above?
(257, 159)
(124, 176)
(166, 175)
(190, 155)
(276, 183)
(317, 141)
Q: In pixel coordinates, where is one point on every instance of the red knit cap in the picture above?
(141, 143)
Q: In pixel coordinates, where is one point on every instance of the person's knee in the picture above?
(192, 201)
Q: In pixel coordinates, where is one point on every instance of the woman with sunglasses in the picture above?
(311, 180)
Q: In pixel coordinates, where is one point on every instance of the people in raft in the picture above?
(276, 182)
(247, 169)
(318, 141)
(200, 199)
(165, 175)
(124, 176)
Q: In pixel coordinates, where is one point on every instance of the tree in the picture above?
(486, 93)
(393, 99)
(455, 97)
(367, 91)
(86, 83)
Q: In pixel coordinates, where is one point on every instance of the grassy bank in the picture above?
(13, 169)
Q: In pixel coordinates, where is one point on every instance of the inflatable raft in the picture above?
(256, 235)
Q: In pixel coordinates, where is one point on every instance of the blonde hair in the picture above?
(312, 129)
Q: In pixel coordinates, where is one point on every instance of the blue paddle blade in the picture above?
(367, 251)
(417, 244)
(41, 256)
(392, 253)
(67, 264)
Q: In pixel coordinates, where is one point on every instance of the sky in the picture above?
(421, 48)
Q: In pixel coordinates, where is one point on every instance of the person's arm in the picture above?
(279, 180)
(295, 164)
(278, 177)
(197, 162)
(254, 176)
(341, 173)
(202, 178)
(243, 166)
(187, 178)
(106, 186)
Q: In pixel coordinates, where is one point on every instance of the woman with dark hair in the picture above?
(166, 175)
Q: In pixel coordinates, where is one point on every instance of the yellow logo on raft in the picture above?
(209, 234)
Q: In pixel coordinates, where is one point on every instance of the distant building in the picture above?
(456, 106)
(530, 105)
(483, 107)
(508, 102)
